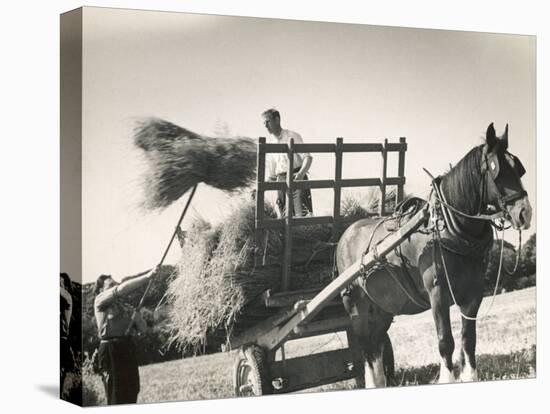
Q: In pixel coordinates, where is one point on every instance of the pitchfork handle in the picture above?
(163, 257)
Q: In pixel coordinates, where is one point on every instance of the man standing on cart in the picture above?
(278, 166)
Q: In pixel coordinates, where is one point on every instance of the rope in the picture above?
(471, 318)
(518, 255)
(441, 200)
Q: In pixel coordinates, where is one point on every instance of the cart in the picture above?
(307, 313)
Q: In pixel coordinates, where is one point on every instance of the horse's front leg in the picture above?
(379, 362)
(468, 370)
(440, 311)
(368, 340)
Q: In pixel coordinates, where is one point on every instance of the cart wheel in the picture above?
(250, 375)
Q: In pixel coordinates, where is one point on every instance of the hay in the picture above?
(212, 284)
(178, 159)
(217, 291)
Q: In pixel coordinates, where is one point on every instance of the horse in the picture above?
(440, 265)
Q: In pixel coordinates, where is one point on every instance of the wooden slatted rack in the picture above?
(338, 149)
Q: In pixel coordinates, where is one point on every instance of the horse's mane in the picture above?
(462, 182)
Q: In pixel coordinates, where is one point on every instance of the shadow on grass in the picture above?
(520, 364)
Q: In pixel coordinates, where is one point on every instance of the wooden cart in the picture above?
(310, 312)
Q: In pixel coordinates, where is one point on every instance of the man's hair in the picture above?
(66, 280)
(99, 283)
(273, 113)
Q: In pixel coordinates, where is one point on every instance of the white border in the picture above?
(30, 207)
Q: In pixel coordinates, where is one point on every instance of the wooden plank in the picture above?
(362, 147)
(251, 335)
(360, 182)
(272, 186)
(321, 327)
(313, 370)
(288, 219)
(279, 334)
(396, 147)
(348, 220)
(401, 170)
(282, 299)
(311, 221)
(276, 148)
(382, 202)
(270, 224)
(304, 184)
(348, 182)
(299, 148)
(337, 187)
(260, 197)
(395, 180)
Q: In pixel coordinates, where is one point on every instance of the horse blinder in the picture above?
(516, 164)
(492, 165)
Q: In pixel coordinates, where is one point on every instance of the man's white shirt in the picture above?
(278, 163)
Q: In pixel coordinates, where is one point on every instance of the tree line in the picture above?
(525, 271)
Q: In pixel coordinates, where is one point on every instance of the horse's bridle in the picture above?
(490, 168)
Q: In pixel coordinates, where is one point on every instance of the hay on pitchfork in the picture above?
(178, 159)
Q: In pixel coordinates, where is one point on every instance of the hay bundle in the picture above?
(214, 280)
(178, 159)
(217, 291)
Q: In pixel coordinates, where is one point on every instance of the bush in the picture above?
(528, 264)
(507, 279)
(93, 392)
(523, 277)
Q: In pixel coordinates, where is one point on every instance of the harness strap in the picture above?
(406, 284)
(513, 197)
(443, 202)
(448, 278)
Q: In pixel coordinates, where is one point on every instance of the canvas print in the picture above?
(266, 206)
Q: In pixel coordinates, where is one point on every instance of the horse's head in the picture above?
(504, 189)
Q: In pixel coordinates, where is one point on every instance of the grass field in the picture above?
(506, 349)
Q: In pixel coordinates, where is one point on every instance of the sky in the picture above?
(439, 89)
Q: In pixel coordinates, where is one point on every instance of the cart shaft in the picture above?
(278, 335)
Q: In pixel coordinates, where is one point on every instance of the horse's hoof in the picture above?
(446, 377)
(469, 376)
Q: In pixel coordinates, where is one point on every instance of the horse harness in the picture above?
(403, 211)
(442, 220)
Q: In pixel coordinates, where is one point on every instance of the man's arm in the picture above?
(105, 298)
(307, 159)
(306, 163)
(271, 164)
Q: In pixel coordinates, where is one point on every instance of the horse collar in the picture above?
(453, 238)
